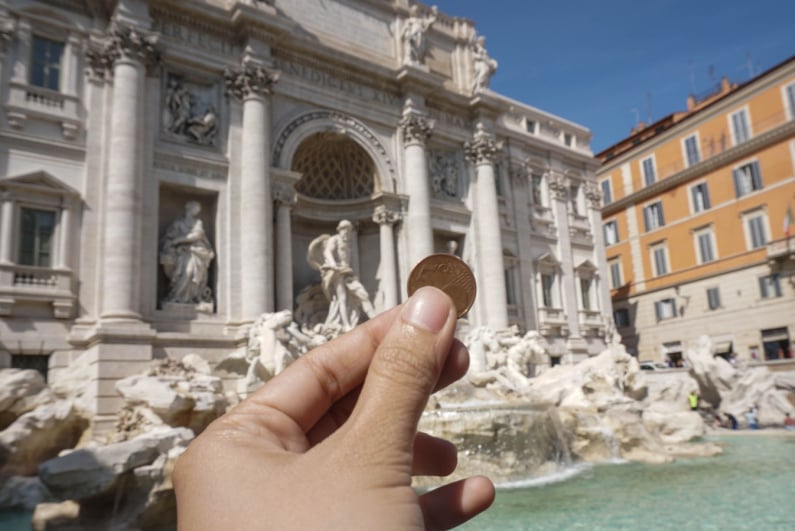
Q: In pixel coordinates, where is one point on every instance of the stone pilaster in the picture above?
(284, 197)
(130, 52)
(6, 228)
(415, 129)
(482, 151)
(386, 219)
(253, 85)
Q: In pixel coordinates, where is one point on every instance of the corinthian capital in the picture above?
(284, 195)
(121, 43)
(483, 148)
(383, 215)
(251, 80)
(558, 184)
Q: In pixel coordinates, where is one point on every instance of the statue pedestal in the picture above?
(188, 310)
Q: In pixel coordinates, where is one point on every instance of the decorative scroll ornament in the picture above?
(558, 185)
(483, 148)
(383, 215)
(251, 80)
(284, 195)
(593, 194)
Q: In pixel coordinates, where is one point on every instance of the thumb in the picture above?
(404, 372)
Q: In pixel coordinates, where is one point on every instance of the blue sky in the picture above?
(603, 64)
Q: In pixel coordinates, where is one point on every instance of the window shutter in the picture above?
(661, 216)
(763, 286)
(658, 309)
(737, 184)
(705, 195)
(672, 302)
(756, 176)
(646, 219)
(776, 285)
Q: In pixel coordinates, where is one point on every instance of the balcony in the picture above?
(779, 251)
(550, 319)
(591, 321)
(36, 284)
(28, 101)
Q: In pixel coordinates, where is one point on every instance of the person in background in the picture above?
(693, 399)
(332, 442)
(789, 422)
(751, 418)
(732, 421)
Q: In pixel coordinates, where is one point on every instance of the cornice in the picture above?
(732, 154)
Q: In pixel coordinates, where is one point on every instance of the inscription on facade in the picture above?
(196, 38)
(325, 79)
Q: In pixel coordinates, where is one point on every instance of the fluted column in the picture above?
(482, 151)
(128, 51)
(285, 199)
(6, 228)
(386, 219)
(416, 129)
(64, 239)
(253, 85)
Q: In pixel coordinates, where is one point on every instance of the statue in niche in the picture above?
(187, 116)
(185, 254)
(347, 298)
(444, 175)
(413, 35)
(484, 66)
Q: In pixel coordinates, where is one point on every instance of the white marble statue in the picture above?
(189, 115)
(413, 36)
(503, 359)
(186, 254)
(484, 66)
(347, 298)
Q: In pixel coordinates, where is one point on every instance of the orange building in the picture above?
(695, 224)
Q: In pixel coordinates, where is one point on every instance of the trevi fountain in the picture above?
(513, 417)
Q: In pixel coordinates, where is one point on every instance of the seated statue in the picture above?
(347, 298)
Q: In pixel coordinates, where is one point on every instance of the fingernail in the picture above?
(428, 308)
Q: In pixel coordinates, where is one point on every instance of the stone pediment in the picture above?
(586, 267)
(40, 182)
(549, 260)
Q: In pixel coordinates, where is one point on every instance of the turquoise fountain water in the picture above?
(750, 486)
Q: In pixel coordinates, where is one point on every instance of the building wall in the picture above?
(736, 266)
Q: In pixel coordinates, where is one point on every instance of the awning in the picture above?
(725, 347)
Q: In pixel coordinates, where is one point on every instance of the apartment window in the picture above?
(568, 139)
(756, 230)
(649, 175)
(653, 216)
(37, 228)
(607, 191)
(770, 286)
(659, 258)
(705, 247)
(747, 178)
(547, 285)
(790, 92)
(611, 232)
(585, 290)
(691, 150)
(621, 318)
(537, 182)
(45, 68)
(665, 309)
(713, 298)
(615, 274)
(530, 126)
(700, 196)
(740, 129)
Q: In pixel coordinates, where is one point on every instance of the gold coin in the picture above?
(448, 273)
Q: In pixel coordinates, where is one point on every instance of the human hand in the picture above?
(332, 441)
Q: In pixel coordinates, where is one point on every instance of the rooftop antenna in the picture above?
(749, 63)
(634, 110)
(648, 106)
(692, 76)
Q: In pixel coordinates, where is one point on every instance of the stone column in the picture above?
(24, 46)
(6, 228)
(416, 129)
(285, 199)
(253, 85)
(482, 151)
(129, 51)
(559, 194)
(64, 239)
(385, 219)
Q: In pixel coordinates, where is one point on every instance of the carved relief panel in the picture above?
(445, 169)
(189, 110)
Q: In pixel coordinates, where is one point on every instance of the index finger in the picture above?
(311, 385)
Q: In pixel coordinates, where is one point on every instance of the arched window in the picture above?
(334, 167)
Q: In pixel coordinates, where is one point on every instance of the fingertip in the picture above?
(428, 308)
(477, 495)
